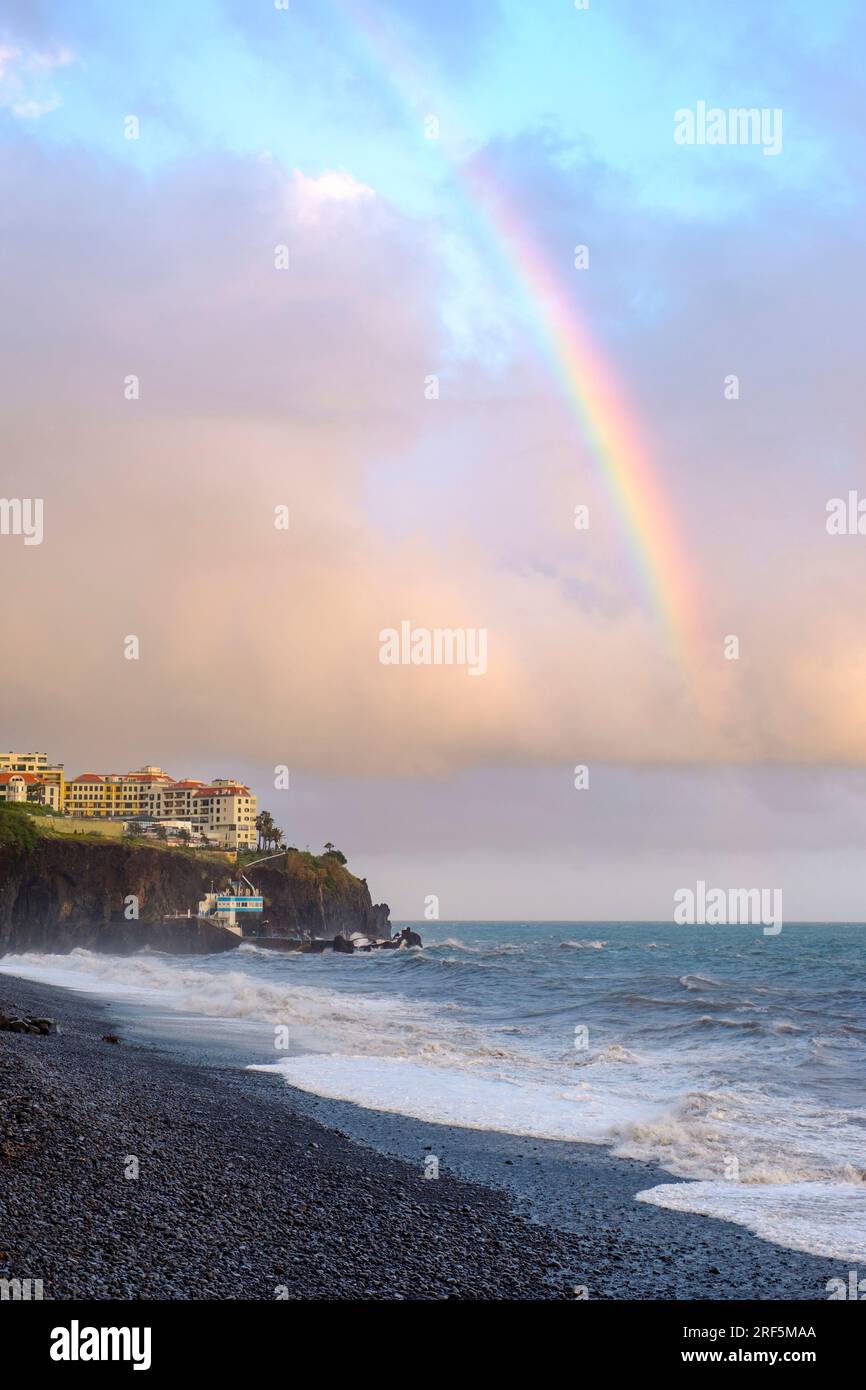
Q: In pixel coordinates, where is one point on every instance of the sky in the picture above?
(333, 247)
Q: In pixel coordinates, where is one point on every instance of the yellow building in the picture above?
(113, 793)
(86, 795)
(223, 810)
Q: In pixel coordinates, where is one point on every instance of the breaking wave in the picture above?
(661, 1056)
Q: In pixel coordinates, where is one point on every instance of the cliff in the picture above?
(317, 894)
(58, 892)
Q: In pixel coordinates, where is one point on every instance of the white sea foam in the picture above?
(437, 1062)
(614, 1052)
(316, 1017)
(773, 1140)
(461, 1096)
(697, 982)
(582, 945)
(821, 1218)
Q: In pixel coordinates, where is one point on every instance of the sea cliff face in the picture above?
(62, 892)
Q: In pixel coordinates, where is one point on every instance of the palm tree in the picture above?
(328, 847)
(264, 826)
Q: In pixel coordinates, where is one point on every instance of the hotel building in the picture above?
(49, 775)
(228, 811)
(113, 793)
(224, 811)
(26, 786)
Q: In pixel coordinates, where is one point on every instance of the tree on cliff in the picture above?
(270, 835)
(264, 828)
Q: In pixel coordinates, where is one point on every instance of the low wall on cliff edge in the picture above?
(87, 825)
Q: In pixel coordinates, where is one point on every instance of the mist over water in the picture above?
(721, 1054)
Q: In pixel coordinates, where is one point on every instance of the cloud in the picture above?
(331, 186)
(23, 71)
(32, 110)
(261, 387)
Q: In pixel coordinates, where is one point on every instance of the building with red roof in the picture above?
(223, 810)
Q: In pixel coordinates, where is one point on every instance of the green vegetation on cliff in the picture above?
(24, 825)
(320, 870)
(58, 890)
(16, 827)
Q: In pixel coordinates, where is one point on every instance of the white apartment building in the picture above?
(172, 800)
(26, 786)
(228, 811)
(50, 775)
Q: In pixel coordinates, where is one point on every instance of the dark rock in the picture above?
(342, 946)
(408, 937)
(67, 892)
(110, 1038)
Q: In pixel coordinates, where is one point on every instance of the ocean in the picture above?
(729, 1058)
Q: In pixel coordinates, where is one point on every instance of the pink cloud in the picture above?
(261, 387)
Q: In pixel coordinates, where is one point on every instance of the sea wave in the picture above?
(750, 1137)
(614, 1052)
(473, 1099)
(820, 1218)
(749, 1025)
(315, 1016)
(686, 1072)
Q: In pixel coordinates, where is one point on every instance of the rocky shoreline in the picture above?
(237, 1196)
(243, 1193)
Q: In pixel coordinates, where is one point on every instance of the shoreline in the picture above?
(248, 1186)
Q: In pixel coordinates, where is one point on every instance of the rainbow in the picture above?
(586, 379)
